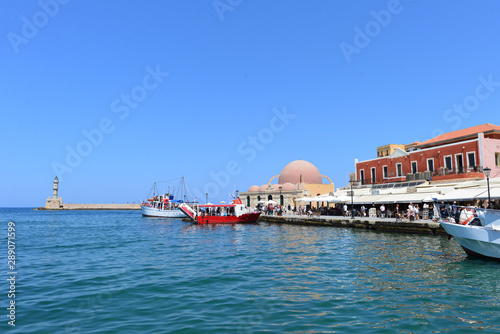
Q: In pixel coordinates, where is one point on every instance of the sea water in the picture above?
(119, 272)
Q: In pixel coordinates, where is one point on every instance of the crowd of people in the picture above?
(401, 212)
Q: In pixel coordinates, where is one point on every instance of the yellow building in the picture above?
(298, 179)
(387, 150)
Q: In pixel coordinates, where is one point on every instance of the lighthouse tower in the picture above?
(54, 202)
(56, 187)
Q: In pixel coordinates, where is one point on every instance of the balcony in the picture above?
(441, 174)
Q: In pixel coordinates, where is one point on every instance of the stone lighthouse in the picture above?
(56, 188)
(54, 202)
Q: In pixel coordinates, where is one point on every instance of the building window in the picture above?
(248, 201)
(497, 159)
(373, 175)
(362, 176)
(281, 199)
(448, 162)
(385, 172)
(414, 167)
(399, 170)
(471, 160)
(258, 198)
(270, 197)
(430, 165)
(459, 163)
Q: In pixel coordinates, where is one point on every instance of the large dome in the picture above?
(291, 173)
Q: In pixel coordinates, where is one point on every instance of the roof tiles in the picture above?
(487, 127)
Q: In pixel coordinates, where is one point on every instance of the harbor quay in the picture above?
(56, 203)
(91, 206)
(424, 226)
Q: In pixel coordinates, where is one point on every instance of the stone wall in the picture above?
(101, 206)
(108, 206)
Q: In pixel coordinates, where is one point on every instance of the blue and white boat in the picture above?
(477, 230)
(165, 205)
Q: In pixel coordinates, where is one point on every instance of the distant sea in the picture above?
(118, 272)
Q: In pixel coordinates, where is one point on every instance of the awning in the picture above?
(367, 199)
(314, 199)
(407, 198)
(464, 194)
(339, 199)
(494, 193)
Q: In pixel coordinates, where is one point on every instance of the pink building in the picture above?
(460, 154)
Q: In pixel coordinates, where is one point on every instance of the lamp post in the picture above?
(206, 198)
(281, 198)
(487, 172)
(352, 201)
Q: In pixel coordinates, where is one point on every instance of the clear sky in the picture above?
(114, 95)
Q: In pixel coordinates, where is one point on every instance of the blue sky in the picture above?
(114, 95)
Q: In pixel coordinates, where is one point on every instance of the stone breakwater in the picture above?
(111, 206)
(374, 224)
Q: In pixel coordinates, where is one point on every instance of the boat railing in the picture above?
(459, 214)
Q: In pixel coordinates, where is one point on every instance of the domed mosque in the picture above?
(299, 178)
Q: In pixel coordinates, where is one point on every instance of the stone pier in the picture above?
(110, 206)
(374, 224)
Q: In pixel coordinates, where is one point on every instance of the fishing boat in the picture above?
(477, 230)
(167, 204)
(232, 213)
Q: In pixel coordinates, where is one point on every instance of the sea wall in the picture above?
(375, 224)
(107, 206)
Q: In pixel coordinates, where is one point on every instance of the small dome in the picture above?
(263, 187)
(253, 189)
(287, 186)
(292, 172)
(275, 186)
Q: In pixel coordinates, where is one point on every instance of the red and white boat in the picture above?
(233, 213)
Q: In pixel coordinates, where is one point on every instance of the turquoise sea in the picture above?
(117, 272)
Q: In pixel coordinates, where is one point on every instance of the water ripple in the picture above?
(93, 272)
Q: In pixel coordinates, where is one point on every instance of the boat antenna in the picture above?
(152, 190)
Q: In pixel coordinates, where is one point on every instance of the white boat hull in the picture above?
(153, 212)
(475, 240)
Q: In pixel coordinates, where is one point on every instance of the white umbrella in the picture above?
(271, 202)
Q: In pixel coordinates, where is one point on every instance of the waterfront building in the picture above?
(298, 179)
(456, 155)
